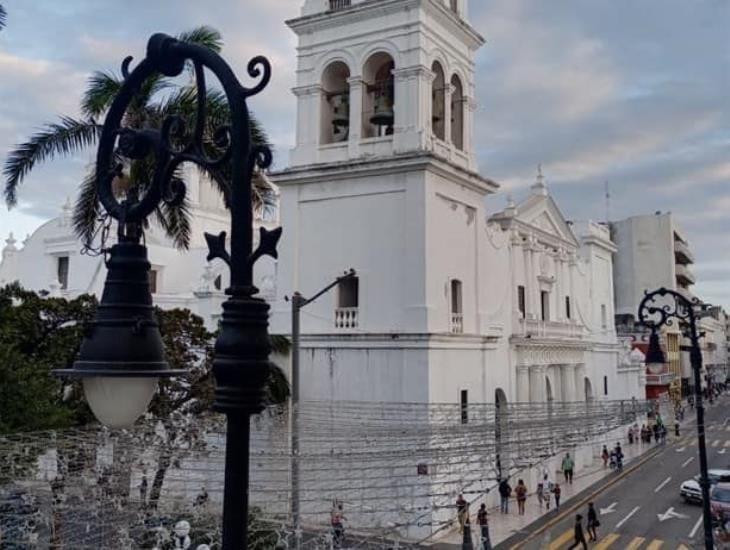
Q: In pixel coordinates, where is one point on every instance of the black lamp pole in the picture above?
(124, 339)
(661, 307)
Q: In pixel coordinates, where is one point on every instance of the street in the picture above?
(643, 509)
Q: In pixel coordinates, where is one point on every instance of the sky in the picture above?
(635, 93)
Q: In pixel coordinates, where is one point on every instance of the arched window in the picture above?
(454, 5)
(457, 314)
(457, 113)
(379, 99)
(335, 123)
(438, 101)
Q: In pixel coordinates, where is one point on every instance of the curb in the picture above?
(582, 502)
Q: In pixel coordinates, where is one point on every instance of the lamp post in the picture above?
(297, 303)
(122, 355)
(659, 308)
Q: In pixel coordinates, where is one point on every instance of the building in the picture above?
(448, 305)
(713, 327)
(53, 259)
(652, 253)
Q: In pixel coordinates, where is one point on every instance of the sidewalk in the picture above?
(503, 526)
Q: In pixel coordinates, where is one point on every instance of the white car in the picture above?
(690, 490)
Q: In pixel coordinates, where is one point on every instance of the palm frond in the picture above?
(87, 210)
(174, 219)
(100, 92)
(204, 36)
(63, 138)
(3, 16)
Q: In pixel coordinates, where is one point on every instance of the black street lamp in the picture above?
(659, 308)
(121, 356)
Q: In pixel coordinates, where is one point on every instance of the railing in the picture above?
(346, 317)
(684, 273)
(457, 323)
(663, 379)
(339, 4)
(549, 329)
(682, 250)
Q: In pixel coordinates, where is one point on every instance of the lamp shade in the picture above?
(122, 354)
(655, 359)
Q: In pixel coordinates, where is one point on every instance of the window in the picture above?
(457, 113)
(545, 305)
(335, 124)
(152, 277)
(218, 283)
(379, 97)
(567, 307)
(454, 5)
(605, 385)
(464, 402)
(438, 101)
(62, 271)
(347, 293)
(457, 316)
(521, 300)
(604, 319)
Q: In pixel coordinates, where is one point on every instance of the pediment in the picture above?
(541, 213)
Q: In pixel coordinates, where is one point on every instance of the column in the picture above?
(527, 254)
(568, 379)
(448, 90)
(470, 107)
(580, 373)
(355, 131)
(535, 283)
(537, 384)
(560, 299)
(309, 100)
(523, 383)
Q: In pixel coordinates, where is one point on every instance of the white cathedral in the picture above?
(450, 305)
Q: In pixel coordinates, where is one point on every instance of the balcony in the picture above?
(346, 317)
(663, 379)
(534, 328)
(684, 275)
(336, 5)
(682, 254)
(457, 323)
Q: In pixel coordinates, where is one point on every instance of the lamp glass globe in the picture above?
(118, 401)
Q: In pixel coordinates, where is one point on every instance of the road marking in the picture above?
(607, 541)
(656, 544)
(631, 513)
(610, 509)
(635, 543)
(681, 449)
(682, 547)
(561, 540)
(690, 459)
(716, 443)
(697, 526)
(670, 513)
(662, 484)
(722, 451)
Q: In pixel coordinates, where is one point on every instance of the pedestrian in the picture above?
(655, 429)
(521, 492)
(548, 488)
(483, 522)
(631, 436)
(143, 491)
(567, 467)
(579, 538)
(676, 428)
(504, 493)
(556, 492)
(337, 519)
(540, 492)
(461, 506)
(605, 456)
(643, 433)
(619, 457)
(592, 523)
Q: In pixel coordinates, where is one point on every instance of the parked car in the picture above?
(690, 490)
(720, 499)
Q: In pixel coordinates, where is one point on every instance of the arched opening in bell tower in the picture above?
(379, 99)
(457, 113)
(438, 101)
(335, 117)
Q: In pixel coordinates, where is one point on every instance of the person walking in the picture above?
(592, 523)
(619, 457)
(483, 522)
(579, 538)
(337, 518)
(540, 492)
(556, 492)
(567, 468)
(504, 493)
(461, 506)
(521, 492)
(631, 436)
(605, 456)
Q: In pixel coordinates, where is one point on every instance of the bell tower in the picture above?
(384, 77)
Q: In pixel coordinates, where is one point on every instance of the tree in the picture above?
(3, 16)
(158, 99)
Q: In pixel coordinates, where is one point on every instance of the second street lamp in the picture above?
(664, 307)
(123, 343)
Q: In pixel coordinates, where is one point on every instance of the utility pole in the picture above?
(297, 303)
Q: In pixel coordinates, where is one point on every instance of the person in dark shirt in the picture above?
(579, 538)
(592, 522)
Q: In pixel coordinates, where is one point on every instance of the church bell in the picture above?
(383, 105)
(341, 110)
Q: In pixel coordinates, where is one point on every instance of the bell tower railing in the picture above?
(339, 4)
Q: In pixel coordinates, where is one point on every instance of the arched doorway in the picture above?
(548, 390)
(588, 389)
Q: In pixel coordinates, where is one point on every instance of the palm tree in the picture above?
(3, 15)
(158, 98)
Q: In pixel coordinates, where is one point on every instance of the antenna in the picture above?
(608, 202)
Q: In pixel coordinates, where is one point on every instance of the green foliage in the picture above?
(158, 98)
(39, 334)
(3, 16)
